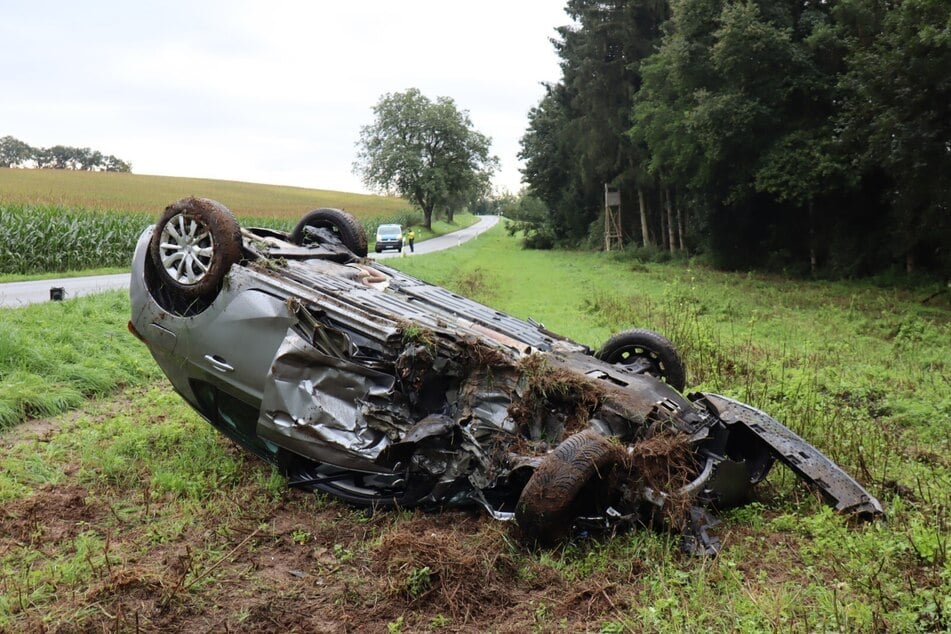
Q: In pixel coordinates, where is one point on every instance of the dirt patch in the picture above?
(333, 571)
(51, 514)
(427, 564)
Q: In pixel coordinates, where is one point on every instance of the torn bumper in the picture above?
(838, 487)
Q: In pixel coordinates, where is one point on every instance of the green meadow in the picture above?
(162, 525)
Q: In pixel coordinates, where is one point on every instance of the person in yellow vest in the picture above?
(411, 236)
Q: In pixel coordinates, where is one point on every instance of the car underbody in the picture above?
(363, 382)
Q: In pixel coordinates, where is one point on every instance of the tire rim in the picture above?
(186, 248)
(636, 355)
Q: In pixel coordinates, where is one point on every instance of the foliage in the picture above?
(576, 140)
(43, 238)
(798, 136)
(897, 117)
(528, 216)
(426, 151)
(16, 153)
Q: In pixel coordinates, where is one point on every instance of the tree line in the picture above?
(16, 153)
(809, 135)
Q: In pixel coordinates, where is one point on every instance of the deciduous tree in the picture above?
(426, 151)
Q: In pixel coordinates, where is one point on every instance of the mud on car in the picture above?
(375, 387)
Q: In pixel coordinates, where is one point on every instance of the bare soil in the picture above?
(298, 563)
(341, 579)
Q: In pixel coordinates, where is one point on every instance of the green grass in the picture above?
(54, 355)
(7, 278)
(174, 517)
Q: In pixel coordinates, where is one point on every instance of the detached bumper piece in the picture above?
(838, 487)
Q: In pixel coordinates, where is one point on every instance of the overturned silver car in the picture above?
(382, 390)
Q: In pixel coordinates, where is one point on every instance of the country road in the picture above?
(14, 294)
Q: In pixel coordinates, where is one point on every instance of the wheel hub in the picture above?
(186, 249)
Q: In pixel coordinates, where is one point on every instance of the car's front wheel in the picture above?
(193, 246)
(571, 480)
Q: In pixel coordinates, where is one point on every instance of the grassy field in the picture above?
(150, 194)
(130, 513)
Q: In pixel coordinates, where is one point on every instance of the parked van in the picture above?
(389, 237)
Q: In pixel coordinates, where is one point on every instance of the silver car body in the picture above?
(358, 380)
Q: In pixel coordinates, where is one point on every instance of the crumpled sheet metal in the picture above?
(316, 405)
(484, 400)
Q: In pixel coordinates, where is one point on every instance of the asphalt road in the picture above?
(15, 294)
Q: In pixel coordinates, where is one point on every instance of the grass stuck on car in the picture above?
(367, 384)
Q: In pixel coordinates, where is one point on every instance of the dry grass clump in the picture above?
(446, 569)
(666, 462)
(547, 395)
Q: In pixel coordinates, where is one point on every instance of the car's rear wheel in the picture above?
(350, 232)
(571, 480)
(652, 352)
(193, 246)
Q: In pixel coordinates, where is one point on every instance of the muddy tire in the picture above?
(639, 345)
(193, 246)
(345, 226)
(553, 495)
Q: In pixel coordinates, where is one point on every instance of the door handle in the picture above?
(218, 363)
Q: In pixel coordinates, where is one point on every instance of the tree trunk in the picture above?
(910, 262)
(428, 217)
(644, 230)
(813, 260)
(680, 228)
(670, 221)
(450, 214)
(662, 242)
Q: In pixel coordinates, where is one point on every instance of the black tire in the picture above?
(193, 246)
(639, 345)
(347, 228)
(553, 497)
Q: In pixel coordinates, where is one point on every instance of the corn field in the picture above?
(47, 238)
(51, 238)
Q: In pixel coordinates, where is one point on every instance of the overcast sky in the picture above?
(269, 92)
